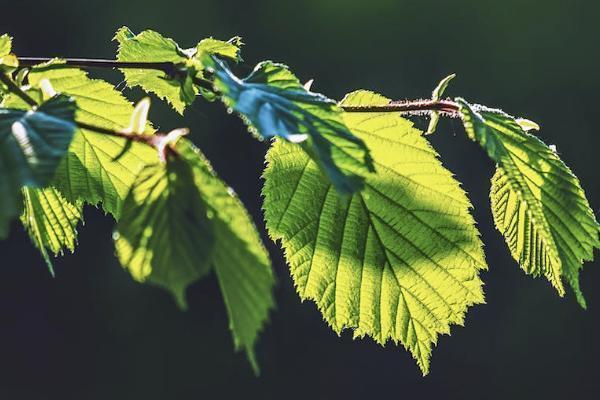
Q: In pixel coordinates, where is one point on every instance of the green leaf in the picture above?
(399, 260)
(178, 221)
(274, 103)
(138, 124)
(51, 221)
(164, 235)
(8, 61)
(5, 45)
(229, 49)
(96, 170)
(437, 94)
(32, 144)
(527, 125)
(241, 262)
(149, 46)
(537, 202)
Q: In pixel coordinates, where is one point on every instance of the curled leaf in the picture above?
(437, 95)
(274, 103)
(139, 117)
(32, 144)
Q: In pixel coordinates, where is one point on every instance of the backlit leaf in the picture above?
(274, 103)
(241, 262)
(399, 260)
(178, 221)
(32, 144)
(51, 221)
(537, 202)
(96, 170)
(5, 44)
(176, 87)
(164, 235)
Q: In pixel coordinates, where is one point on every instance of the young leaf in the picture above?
(229, 49)
(164, 235)
(8, 61)
(32, 144)
(437, 94)
(5, 45)
(177, 88)
(399, 260)
(537, 202)
(96, 169)
(51, 221)
(241, 262)
(274, 103)
(139, 118)
(527, 125)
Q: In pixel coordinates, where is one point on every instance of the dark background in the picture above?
(93, 333)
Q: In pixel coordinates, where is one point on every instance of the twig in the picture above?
(156, 140)
(14, 88)
(169, 68)
(447, 108)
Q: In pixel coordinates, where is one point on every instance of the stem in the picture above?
(447, 108)
(155, 141)
(14, 88)
(167, 67)
(97, 63)
(150, 140)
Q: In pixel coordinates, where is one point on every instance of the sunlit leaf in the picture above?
(400, 260)
(179, 220)
(241, 262)
(32, 144)
(96, 169)
(274, 103)
(176, 86)
(164, 235)
(537, 202)
(51, 221)
(5, 44)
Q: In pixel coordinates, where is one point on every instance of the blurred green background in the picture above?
(93, 333)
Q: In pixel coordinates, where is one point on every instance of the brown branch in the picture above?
(169, 68)
(446, 108)
(96, 63)
(415, 107)
(150, 140)
(156, 140)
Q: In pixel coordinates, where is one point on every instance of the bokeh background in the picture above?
(93, 333)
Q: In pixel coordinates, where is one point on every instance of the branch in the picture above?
(150, 140)
(169, 68)
(447, 108)
(159, 141)
(96, 63)
(156, 140)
